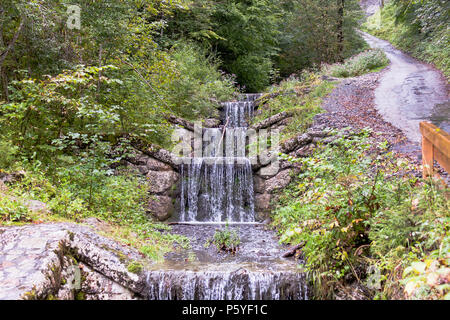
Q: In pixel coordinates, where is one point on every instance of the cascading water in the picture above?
(225, 285)
(218, 187)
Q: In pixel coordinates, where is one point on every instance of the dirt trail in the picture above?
(410, 92)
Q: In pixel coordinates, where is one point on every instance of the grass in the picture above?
(372, 60)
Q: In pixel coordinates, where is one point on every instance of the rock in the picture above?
(304, 151)
(12, 177)
(36, 206)
(281, 180)
(161, 207)
(96, 286)
(98, 224)
(156, 165)
(269, 171)
(43, 262)
(259, 184)
(262, 202)
(211, 123)
(160, 181)
(295, 142)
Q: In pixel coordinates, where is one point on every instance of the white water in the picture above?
(219, 186)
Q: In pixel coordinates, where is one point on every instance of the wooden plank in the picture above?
(438, 137)
(427, 157)
(442, 159)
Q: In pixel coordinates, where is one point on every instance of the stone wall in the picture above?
(66, 261)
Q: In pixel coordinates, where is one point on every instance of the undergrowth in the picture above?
(372, 60)
(84, 186)
(302, 96)
(364, 217)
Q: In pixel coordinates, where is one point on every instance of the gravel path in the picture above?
(352, 104)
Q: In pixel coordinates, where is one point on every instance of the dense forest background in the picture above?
(134, 62)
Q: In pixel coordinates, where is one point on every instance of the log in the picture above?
(295, 143)
(272, 120)
(155, 151)
(181, 122)
(293, 250)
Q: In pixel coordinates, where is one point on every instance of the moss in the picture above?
(135, 267)
(30, 295)
(80, 296)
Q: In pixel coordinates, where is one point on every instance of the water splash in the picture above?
(219, 186)
(217, 189)
(222, 285)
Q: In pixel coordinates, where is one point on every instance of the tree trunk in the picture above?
(340, 33)
(10, 46)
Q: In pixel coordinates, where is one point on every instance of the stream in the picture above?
(217, 190)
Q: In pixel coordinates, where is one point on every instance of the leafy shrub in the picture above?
(13, 210)
(226, 240)
(364, 62)
(356, 208)
(8, 153)
(199, 86)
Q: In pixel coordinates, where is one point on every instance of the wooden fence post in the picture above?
(435, 146)
(427, 157)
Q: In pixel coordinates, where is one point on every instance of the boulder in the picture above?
(269, 171)
(262, 202)
(156, 165)
(161, 181)
(48, 261)
(161, 207)
(259, 184)
(211, 123)
(281, 180)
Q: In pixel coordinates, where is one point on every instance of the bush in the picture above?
(357, 209)
(226, 240)
(364, 62)
(13, 210)
(199, 85)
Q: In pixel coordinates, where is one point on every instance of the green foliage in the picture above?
(418, 27)
(317, 31)
(355, 208)
(135, 267)
(259, 40)
(13, 210)
(367, 61)
(301, 96)
(226, 239)
(8, 153)
(200, 86)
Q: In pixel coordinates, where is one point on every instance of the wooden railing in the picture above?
(435, 146)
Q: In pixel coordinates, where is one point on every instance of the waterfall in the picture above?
(219, 186)
(223, 285)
